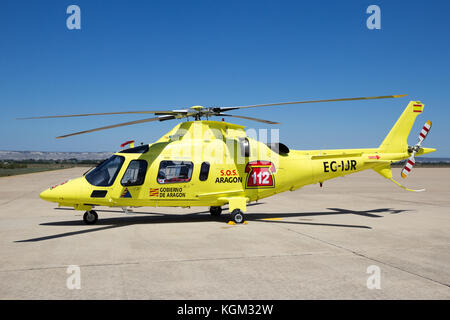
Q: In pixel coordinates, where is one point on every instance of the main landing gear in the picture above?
(236, 215)
(90, 217)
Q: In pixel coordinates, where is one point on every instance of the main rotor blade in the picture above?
(100, 114)
(315, 101)
(111, 126)
(249, 118)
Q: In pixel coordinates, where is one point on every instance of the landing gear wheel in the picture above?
(237, 216)
(215, 211)
(90, 217)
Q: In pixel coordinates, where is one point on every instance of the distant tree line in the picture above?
(14, 164)
(436, 164)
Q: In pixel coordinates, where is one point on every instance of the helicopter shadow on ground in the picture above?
(203, 216)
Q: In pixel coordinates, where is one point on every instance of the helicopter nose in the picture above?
(46, 195)
(55, 193)
(50, 194)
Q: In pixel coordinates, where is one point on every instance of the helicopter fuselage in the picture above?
(211, 163)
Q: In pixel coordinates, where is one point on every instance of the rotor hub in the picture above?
(197, 108)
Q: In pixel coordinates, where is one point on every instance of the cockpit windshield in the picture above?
(105, 174)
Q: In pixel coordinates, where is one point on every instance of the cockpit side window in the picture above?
(105, 174)
(135, 174)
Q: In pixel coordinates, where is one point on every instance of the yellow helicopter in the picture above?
(215, 163)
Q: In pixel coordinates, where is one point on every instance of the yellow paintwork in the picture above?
(219, 144)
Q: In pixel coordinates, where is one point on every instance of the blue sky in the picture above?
(151, 55)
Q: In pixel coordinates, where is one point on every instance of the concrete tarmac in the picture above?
(313, 243)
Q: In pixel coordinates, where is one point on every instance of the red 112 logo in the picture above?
(260, 174)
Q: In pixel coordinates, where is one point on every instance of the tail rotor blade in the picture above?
(408, 166)
(412, 161)
(424, 132)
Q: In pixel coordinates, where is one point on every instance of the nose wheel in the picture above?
(90, 217)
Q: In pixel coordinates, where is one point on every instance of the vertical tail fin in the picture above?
(396, 140)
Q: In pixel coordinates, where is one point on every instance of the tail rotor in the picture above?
(414, 149)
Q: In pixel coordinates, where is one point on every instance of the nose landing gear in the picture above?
(90, 217)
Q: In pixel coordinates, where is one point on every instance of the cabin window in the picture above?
(175, 171)
(245, 147)
(135, 174)
(204, 171)
(105, 174)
